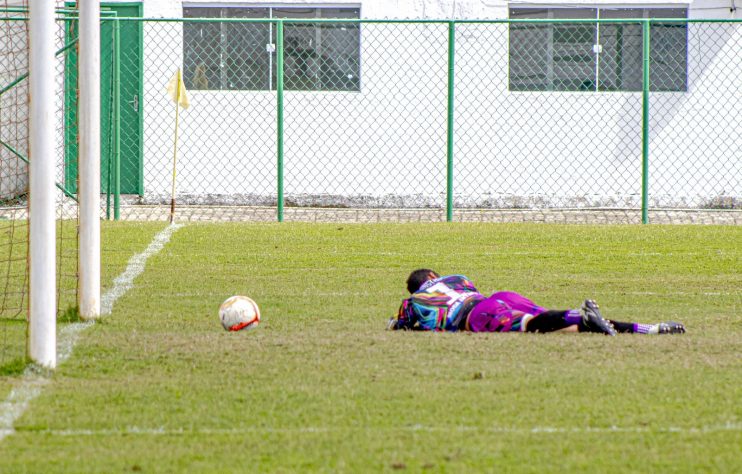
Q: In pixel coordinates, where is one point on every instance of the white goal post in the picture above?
(89, 189)
(42, 305)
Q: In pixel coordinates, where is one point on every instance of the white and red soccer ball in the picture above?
(238, 313)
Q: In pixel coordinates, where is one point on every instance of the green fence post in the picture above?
(645, 119)
(112, 131)
(117, 119)
(112, 128)
(279, 115)
(449, 138)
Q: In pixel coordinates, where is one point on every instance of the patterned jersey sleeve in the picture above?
(438, 305)
(405, 316)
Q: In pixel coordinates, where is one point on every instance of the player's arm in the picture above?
(405, 317)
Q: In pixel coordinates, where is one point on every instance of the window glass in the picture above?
(340, 50)
(201, 55)
(302, 55)
(321, 56)
(241, 56)
(246, 61)
(528, 13)
(529, 52)
(599, 56)
(669, 51)
(572, 50)
(621, 57)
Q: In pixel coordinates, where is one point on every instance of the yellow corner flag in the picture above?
(177, 91)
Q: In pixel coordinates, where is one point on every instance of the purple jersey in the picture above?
(439, 305)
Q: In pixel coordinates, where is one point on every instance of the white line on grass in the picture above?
(162, 431)
(32, 381)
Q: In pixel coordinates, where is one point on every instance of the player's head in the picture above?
(418, 277)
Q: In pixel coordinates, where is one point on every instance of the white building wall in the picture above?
(13, 109)
(389, 139)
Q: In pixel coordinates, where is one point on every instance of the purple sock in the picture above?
(642, 328)
(573, 316)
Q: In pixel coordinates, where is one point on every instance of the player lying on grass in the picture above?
(452, 303)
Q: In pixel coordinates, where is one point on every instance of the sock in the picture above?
(573, 316)
(646, 328)
(620, 326)
(548, 321)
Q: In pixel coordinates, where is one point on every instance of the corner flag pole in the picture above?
(175, 146)
(177, 92)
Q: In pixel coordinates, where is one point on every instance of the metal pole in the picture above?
(645, 120)
(270, 56)
(279, 115)
(116, 119)
(175, 143)
(109, 155)
(597, 51)
(42, 325)
(89, 189)
(449, 138)
(109, 185)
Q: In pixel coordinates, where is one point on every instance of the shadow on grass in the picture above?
(70, 315)
(16, 366)
(12, 346)
(13, 367)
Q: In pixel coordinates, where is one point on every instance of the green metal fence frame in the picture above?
(645, 23)
(279, 119)
(645, 120)
(18, 80)
(115, 156)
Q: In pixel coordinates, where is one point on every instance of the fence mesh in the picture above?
(546, 124)
(14, 187)
(384, 147)
(696, 148)
(554, 146)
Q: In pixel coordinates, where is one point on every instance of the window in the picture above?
(241, 56)
(596, 56)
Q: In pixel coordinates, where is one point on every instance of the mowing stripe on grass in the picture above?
(32, 381)
(135, 430)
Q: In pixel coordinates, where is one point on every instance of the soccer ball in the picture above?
(239, 312)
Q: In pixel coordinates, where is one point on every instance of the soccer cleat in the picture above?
(593, 321)
(667, 327)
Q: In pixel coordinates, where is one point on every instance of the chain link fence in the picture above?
(387, 120)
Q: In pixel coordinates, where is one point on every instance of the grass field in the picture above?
(158, 386)
(14, 287)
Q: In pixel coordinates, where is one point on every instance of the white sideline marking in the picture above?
(125, 281)
(32, 382)
(162, 431)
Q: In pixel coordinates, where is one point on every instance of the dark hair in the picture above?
(418, 277)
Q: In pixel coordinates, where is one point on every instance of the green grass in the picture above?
(14, 287)
(119, 242)
(320, 386)
(13, 253)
